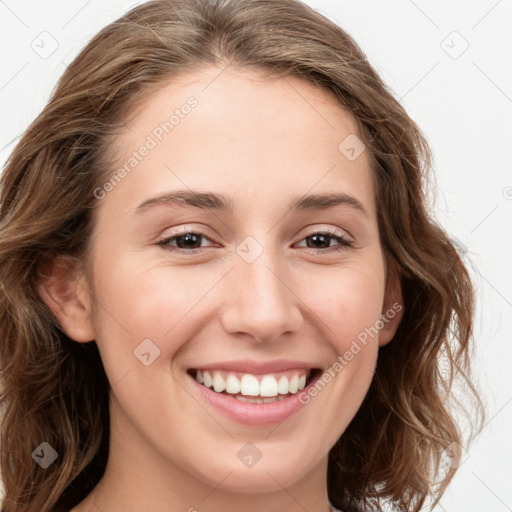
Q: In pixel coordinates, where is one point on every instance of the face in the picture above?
(240, 249)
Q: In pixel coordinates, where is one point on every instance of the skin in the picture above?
(262, 142)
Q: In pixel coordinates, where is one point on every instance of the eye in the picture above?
(191, 241)
(322, 241)
(186, 241)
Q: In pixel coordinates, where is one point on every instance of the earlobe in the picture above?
(64, 289)
(392, 307)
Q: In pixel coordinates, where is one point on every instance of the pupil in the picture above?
(189, 240)
(322, 238)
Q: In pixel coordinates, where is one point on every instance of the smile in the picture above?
(254, 394)
(255, 388)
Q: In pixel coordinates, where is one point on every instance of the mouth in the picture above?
(255, 388)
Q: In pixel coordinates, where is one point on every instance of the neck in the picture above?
(139, 478)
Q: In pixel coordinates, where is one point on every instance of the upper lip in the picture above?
(256, 367)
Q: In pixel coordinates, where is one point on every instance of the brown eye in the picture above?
(322, 241)
(186, 241)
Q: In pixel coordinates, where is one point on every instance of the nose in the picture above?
(261, 305)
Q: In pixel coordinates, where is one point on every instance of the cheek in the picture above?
(348, 301)
(142, 299)
(137, 301)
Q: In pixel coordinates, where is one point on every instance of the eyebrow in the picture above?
(222, 203)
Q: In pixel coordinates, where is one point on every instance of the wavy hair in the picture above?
(56, 390)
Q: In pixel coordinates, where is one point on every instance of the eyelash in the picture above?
(344, 243)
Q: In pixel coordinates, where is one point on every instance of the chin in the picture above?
(264, 476)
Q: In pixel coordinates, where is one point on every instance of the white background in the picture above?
(464, 107)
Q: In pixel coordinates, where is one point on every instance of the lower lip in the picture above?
(258, 415)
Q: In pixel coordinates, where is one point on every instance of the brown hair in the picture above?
(55, 390)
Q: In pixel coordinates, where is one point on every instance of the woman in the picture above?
(221, 287)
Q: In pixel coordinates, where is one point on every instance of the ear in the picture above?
(64, 289)
(392, 306)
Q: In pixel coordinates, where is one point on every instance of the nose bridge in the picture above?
(261, 303)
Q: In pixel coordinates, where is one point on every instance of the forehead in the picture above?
(245, 133)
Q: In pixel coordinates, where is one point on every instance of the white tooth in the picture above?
(259, 400)
(207, 379)
(268, 386)
(283, 385)
(249, 385)
(251, 400)
(294, 384)
(302, 382)
(219, 384)
(232, 384)
(199, 376)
